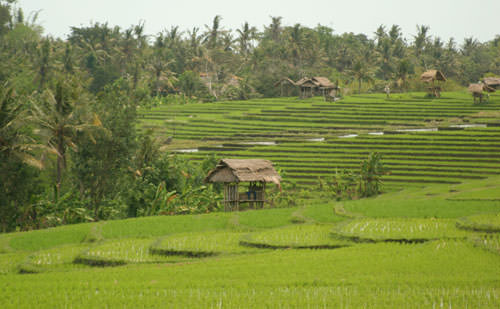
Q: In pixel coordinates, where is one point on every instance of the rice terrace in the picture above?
(287, 167)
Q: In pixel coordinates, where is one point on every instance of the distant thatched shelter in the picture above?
(317, 84)
(286, 85)
(493, 82)
(307, 87)
(478, 89)
(431, 77)
(231, 172)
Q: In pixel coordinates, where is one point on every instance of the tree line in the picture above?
(69, 148)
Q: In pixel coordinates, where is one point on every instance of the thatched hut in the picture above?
(478, 89)
(232, 172)
(493, 82)
(316, 85)
(325, 86)
(430, 77)
(307, 87)
(286, 86)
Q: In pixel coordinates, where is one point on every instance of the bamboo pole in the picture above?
(263, 194)
(237, 197)
(226, 197)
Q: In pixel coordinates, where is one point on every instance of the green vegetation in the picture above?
(436, 201)
(119, 252)
(237, 259)
(403, 230)
(481, 223)
(379, 275)
(302, 236)
(88, 124)
(106, 137)
(199, 244)
(157, 226)
(35, 240)
(420, 240)
(269, 219)
(489, 242)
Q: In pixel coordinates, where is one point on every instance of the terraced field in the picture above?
(433, 244)
(423, 141)
(378, 252)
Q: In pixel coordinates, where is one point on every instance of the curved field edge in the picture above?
(488, 223)
(201, 244)
(344, 277)
(489, 242)
(298, 236)
(403, 230)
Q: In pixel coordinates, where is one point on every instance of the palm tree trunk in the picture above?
(60, 163)
(157, 83)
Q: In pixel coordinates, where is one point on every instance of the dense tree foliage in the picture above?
(69, 150)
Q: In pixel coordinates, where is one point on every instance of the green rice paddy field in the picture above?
(422, 141)
(431, 241)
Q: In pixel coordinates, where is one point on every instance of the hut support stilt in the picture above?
(263, 198)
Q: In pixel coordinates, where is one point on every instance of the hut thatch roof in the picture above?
(492, 81)
(307, 82)
(243, 170)
(432, 75)
(285, 80)
(317, 81)
(301, 81)
(479, 88)
(323, 82)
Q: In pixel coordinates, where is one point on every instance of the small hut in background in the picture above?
(317, 85)
(325, 86)
(286, 86)
(307, 87)
(477, 91)
(492, 82)
(430, 77)
(255, 172)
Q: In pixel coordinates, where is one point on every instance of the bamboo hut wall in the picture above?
(231, 197)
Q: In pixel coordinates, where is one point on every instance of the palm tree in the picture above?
(395, 33)
(194, 50)
(59, 120)
(68, 62)
(14, 141)
(295, 40)
(421, 39)
(227, 41)
(159, 68)
(132, 49)
(469, 45)
(140, 37)
(43, 62)
(275, 28)
(385, 55)
(380, 34)
(361, 72)
(16, 150)
(404, 68)
(246, 35)
(213, 32)
(195, 40)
